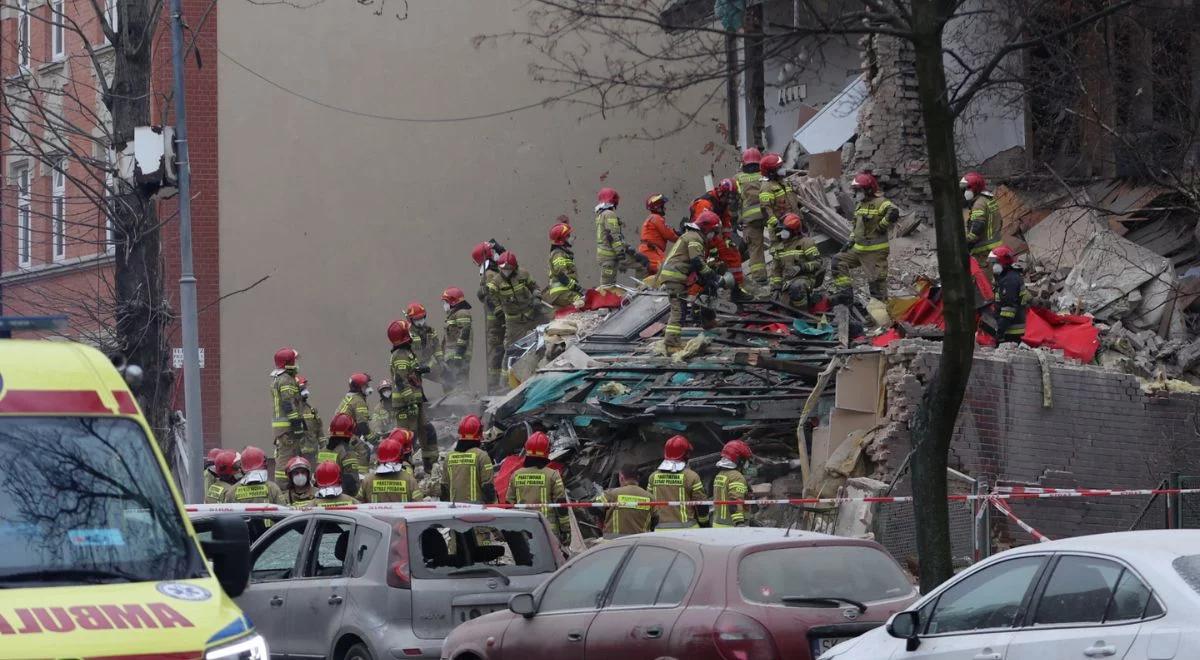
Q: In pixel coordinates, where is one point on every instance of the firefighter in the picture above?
(610, 237)
(562, 285)
(632, 513)
(685, 265)
(383, 417)
(355, 405)
(776, 195)
(338, 451)
(983, 221)
(226, 473)
(674, 481)
(468, 469)
(485, 257)
(795, 263)
(210, 467)
(329, 486)
(255, 487)
(300, 489)
(730, 484)
(424, 337)
(393, 480)
(873, 215)
(721, 201)
(287, 421)
(456, 341)
(749, 186)
(536, 483)
(313, 426)
(656, 233)
(1011, 296)
(517, 294)
(408, 397)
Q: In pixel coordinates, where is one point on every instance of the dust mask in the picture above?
(507, 272)
(370, 390)
(861, 195)
(419, 322)
(997, 269)
(969, 195)
(785, 234)
(304, 393)
(445, 306)
(300, 480)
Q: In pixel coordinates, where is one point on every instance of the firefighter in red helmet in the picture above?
(485, 255)
(721, 200)
(355, 405)
(749, 186)
(468, 469)
(393, 480)
(225, 466)
(776, 196)
(730, 484)
(685, 265)
(795, 263)
(674, 481)
(518, 296)
(538, 484)
(408, 393)
(983, 222)
(424, 337)
(1011, 296)
(562, 283)
(873, 215)
(255, 486)
(287, 422)
(329, 486)
(456, 348)
(210, 467)
(610, 237)
(656, 233)
(337, 450)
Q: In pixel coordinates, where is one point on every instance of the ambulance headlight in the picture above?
(251, 648)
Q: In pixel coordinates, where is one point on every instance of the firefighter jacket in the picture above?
(210, 478)
(407, 390)
(258, 491)
(983, 225)
(632, 513)
(610, 235)
(399, 486)
(688, 252)
(749, 187)
(544, 485)
(300, 497)
(1011, 300)
(313, 428)
(341, 499)
(338, 450)
(563, 277)
(355, 405)
(517, 294)
(793, 258)
(215, 493)
(871, 221)
(285, 395)
(467, 473)
(456, 343)
(383, 417)
(656, 234)
(680, 486)
(777, 199)
(424, 344)
(729, 485)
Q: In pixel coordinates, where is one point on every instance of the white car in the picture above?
(1129, 595)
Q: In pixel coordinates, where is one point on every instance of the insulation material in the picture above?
(859, 384)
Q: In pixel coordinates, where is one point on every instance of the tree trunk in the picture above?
(756, 78)
(933, 423)
(731, 86)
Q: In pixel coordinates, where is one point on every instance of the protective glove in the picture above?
(297, 428)
(642, 260)
(833, 261)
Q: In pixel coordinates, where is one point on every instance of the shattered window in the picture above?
(860, 573)
(456, 548)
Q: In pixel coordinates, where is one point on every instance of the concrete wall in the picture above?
(351, 217)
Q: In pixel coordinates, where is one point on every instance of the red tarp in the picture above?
(593, 299)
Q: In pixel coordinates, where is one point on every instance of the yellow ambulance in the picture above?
(97, 559)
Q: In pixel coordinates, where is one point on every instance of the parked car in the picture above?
(1131, 595)
(358, 584)
(704, 594)
(258, 517)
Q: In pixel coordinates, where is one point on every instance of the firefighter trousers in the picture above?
(672, 334)
(874, 265)
(495, 347)
(752, 231)
(286, 448)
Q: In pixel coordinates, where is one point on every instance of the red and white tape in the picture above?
(1004, 508)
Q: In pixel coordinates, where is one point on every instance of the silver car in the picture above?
(358, 585)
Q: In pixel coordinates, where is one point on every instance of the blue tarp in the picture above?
(550, 387)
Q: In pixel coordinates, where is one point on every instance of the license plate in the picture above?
(467, 612)
(823, 644)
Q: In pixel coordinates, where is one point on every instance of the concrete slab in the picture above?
(1059, 240)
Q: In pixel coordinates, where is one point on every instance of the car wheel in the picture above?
(357, 652)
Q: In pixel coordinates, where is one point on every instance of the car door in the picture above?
(317, 597)
(565, 609)
(1089, 607)
(646, 600)
(973, 618)
(274, 563)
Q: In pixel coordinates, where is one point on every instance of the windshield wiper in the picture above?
(476, 570)
(68, 574)
(824, 601)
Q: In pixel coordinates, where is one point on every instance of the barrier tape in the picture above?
(1024, 494)
(1004, 508)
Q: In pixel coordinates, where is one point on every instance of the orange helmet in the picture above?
(538, 445)
(359, 382)
(677, 448)
(866, 181)
(793, 223)
(253, 458)
(508, 260)
(656, 203)
(414, 311)
(341, 426)
(1003, 255)
(298, 463)
(286, 357)
(608, 196)
(751, 156)
(736, 450)
(328, 474)
(481, 253)
(707, 222)
(224, 463)
(403, 438)
(973, 181)
(770, 163)
(470, 428)
(560, 234)
(400, 332)
(453, 296)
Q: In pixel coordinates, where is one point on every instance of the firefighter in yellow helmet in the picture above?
(329, 486)
(226, 471)
(632, 513)
(287, 422)
(795, 263)
(468, 468)
(457, 340)
(537, 483)
(730, 484)
(562, 285)
(255, 486)
(393, 480)
(684, 266)
(674, 481)
(873, 215)
(337, 450)
(301, 491)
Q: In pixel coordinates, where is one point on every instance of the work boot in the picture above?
(738, 294)
(844, 297)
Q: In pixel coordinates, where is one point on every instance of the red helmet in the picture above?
(866, 181)
(453, 295)
(608, 196)
(1003, 255)
(770, 163)
(793, 223)
(538, 445)
(342, 426)
(389, 451)
(656, 203)
(707, 222)
(481, 253)
(298, 463)
(253, 458)
(224, 463)
(328, 474)
(414, 311)
(736, 450)
(212, 455)
(726, 186)
(403, 438)
(400, 332)
(286, 357)
(677, 448)
(973, 181)
(560, 234)
(359, 382)
(750, 156)
(470, 428)
(508, 260)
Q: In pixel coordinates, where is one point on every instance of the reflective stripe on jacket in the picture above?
(729, 485)
(466, 472)
(610, 235)
(676, 487)
(871, 221)
(749, 187)
(632, 515)
(984, 225)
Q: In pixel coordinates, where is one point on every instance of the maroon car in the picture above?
(704, 594)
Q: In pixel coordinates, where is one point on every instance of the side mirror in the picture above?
(523, 604)
(905, 625)
(229, 551)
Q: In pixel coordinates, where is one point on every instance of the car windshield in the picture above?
(456, 548)
(857, 572)
(83, 500)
